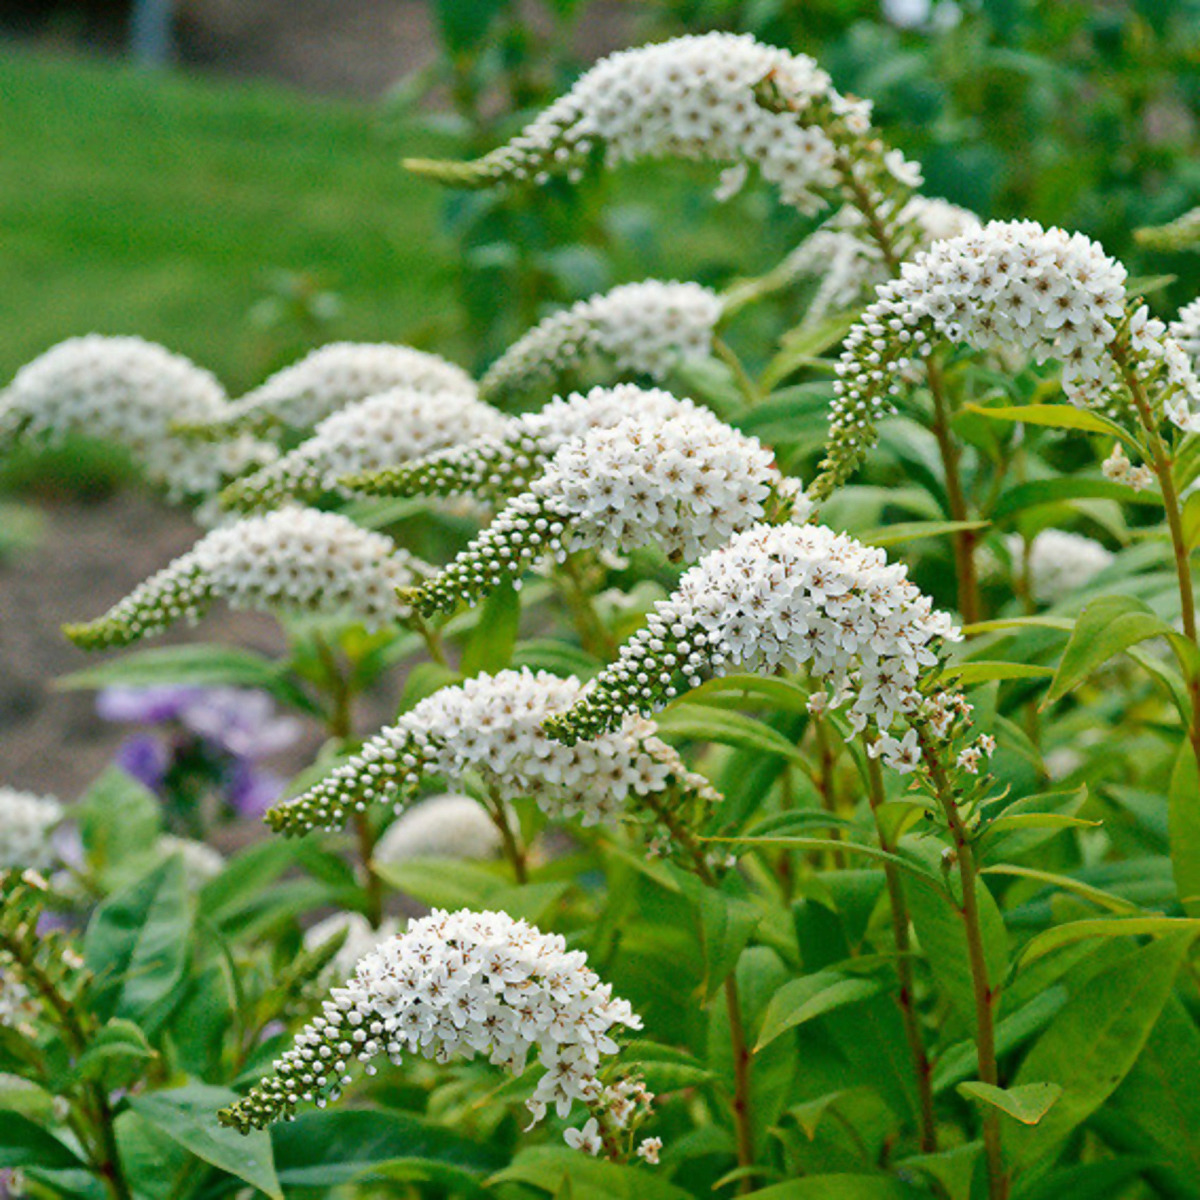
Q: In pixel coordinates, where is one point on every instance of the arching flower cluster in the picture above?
(454, 986)
(371, 435)
(1042, 292)
(491, 727)
(290, 560)
(1059, 563)
(27, 824)
(785, 596)
(849, 264)
(637, 329)
(685, 484)
(496, 467)
(716, 97)
(330, 378)
(129, 392)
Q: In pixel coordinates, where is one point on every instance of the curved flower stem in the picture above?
(904, 970)
(593, 635)
(431, 637)
(826, 782)
(751, 392)
(986, 996)
(513, 850)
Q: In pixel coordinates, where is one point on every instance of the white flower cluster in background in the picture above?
(371, 435)
(850, 266)
(715, 97)
(17, 1004)
(491, 727)
(447, 826)
(200, 861)
(454, 986)
(27, 823)
(361, 938)
(291, 560)
(685, 485)
(330, 378)
(639, 328)
(1059, 563)
(1185, 329)
(497, 467)
(129, 392)
(785, 596)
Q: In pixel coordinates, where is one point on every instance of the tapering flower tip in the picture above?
(685, 484)
(128, 392)
(785, 596)
(330, 378)
(291, 560)
(491, 727)
(1181, 234)
(716, 97)
(637, 329)
(1011, 285)
(453, 986)
(496, 467)
(27, 822)
(372, 435)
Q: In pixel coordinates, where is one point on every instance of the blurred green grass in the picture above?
(165, 205)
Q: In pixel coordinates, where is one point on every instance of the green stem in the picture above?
(749, 389)
(513, 850)
(593, 635)
(431, 637)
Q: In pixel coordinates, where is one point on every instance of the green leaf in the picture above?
(551, 1168)
(117, 1056)
(137, 945)
(1084, 890)
(726, 924)
(1028, 1103)
(490, 646)
(913, 867)
(452, 883)
(1094, 1041)
(903, 532)
(1105, 927)
(970, 673)
(805, 999)
(1038, 492)
(842, 1187)
(1030, 821)
(1056, 416)
(188, 1115)
(803, 345)
(26, 1144)
(703, 723)
(118, 819)
(780, 694)
(1183, 817)
(1191, 520)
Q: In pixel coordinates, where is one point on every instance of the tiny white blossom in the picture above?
(586, 1139)
(649, 1149)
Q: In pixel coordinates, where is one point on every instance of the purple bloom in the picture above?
(240, 721)
(145, 705)
(145, 758)
(252, 791)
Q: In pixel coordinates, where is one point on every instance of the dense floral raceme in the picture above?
(1059, 563)
(27, 822)
(1011, 286)
(497, 467)
(371, 435)
(129, 392)
(330, 378)
(491, 727)
(454, 986)
(784, 596)
(361, 937)
(716, 97)
(637, 329)
(441, 827)
(291, 560)
(850, 266)
(1185, 329)
(685, 484)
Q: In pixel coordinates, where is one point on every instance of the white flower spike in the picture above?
(27, 823)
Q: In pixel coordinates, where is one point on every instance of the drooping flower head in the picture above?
(716, 97)
(685, 484)
(454, 986)
(498, 466)
(1015, 286)
(450, 826)
(329, 379)
(372, 435)
(785, 596)
(27, 823)
(636, 329)
(291, 560)
(490, 727)
(128, 392)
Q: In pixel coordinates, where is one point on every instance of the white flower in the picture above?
(637, 329)
(649, 1150)
(717, 97)
(1059, 563)
(586, 1139)
(902, 755)
(777, 596)
(1117, 465)
(27, 822)
(129, 392)
(370, 435)
(332, 377)
(361, 938)
(490, 728)
(1185, 329)
(684, 484)
(291, 560)
(497, 467)
(200, 861)
(454, 986)
(441, 827)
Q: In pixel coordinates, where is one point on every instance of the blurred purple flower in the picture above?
(252, 791)
(146, 758)
(145, 705)
(240, 721)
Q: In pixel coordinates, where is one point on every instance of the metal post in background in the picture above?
(150, 40)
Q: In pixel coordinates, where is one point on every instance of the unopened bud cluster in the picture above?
(785, 596)
(685, 485)
(454, 986)
(637, 329)
(490, 727)
(291, 560)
